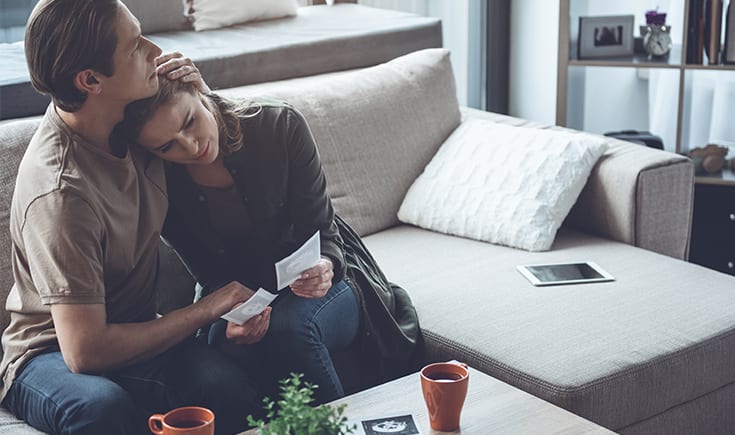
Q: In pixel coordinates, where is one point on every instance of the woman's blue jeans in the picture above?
(52, 399)
(301, 335)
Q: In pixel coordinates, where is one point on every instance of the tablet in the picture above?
(564, 273)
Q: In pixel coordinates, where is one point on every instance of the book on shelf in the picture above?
(713, 30)
(728, 51)
(695, 32)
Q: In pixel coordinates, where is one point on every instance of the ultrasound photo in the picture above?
(398, 425)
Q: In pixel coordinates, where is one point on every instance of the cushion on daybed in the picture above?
(213, 14)
(159, 15)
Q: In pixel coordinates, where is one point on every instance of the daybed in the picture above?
(318, 39)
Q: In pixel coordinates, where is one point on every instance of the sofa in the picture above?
(318, 39)
(648, 353)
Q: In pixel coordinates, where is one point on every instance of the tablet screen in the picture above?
(566, 273)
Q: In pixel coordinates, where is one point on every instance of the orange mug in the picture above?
(445, 388)
(189, 420)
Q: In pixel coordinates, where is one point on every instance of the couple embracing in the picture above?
(134, 145)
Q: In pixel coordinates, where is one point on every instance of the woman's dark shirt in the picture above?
(282, 188)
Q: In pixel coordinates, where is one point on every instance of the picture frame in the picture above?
(605, 36)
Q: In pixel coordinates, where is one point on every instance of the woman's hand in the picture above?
(251, 331)
(314, 282)
(177, 67)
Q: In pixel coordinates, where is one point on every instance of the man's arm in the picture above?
(91, 345)
(63, 241)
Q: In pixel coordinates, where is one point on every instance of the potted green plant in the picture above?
(294, 415)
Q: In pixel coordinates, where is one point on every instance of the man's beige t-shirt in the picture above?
(85, 227)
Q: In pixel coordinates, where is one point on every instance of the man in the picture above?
(84, 352)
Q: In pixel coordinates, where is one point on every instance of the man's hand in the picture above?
(314, 282)
(251, 331)
(177, 67)
(226, 297)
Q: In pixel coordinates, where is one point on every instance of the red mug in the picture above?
(445, 388)
(189, 420)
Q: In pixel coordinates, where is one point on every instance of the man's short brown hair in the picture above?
(64, 37)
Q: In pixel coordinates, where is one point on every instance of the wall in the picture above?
(455, 24)
(614, 98)
(534, 34)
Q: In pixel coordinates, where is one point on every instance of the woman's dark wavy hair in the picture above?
(227, 113)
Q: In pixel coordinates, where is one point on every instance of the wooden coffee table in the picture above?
(491, 407)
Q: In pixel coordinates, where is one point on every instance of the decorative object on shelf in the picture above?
(657, 41)
(708, 160)
(656, 35)
(655, 18)
(605, 36)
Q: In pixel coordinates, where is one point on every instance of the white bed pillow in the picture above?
(213, 14)
(497, 183)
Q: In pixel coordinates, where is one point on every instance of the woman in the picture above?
(245, 190)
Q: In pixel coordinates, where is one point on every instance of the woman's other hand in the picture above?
(177, 67)
(314, 282)
(251, 331)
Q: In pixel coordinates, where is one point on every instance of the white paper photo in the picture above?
(252, 307)
(290, 268)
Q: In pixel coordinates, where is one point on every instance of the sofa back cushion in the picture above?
(376, 129)
(14, 138)
(159, 15)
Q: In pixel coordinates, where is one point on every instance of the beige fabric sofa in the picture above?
(648, 353)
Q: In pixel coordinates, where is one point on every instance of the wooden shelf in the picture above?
(710, 67)
(675, 62)
(724, 178)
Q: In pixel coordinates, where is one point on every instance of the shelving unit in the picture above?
(713, 223)
(676, 61)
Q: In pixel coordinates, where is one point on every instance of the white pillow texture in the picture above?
(213, 14)
(502, 184)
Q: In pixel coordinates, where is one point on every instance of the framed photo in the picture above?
(605, 36)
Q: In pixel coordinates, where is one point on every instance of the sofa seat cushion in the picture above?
(11, 425)
(615, 353)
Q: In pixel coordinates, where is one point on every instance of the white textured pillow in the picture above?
(502, 184)
(212, 14)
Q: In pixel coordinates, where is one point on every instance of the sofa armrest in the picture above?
(640, 196)
(635, 195)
